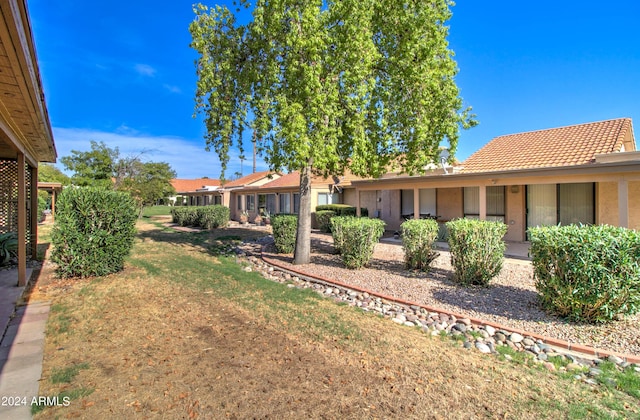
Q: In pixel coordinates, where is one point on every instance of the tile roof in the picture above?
(247, 179)
(185, 185)
(563, 146)
(292, 179)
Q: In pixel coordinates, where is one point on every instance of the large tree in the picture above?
(49, 173)
(326, 86)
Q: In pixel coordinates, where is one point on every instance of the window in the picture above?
(296, 203)
(251, 202)
(239, 202)
(326, 198)
(427, 198)
(494, 202)
(285, 203)
(217, 200)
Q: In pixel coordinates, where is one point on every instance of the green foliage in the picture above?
(8, 246)
(205, 217)
(356, 238)
(93, 231)
(43, 202)
(157, 211)
(477, 250)
(418, 238)
(284, 232)
(49, 173)
(147, 182)
(323, 219)
(587, 273)
(342, 209)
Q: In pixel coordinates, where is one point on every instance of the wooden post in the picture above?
(33, 187)
(22, 222)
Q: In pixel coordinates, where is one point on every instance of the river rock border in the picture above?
(483, 336)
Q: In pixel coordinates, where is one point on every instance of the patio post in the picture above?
(22, 221)
(33, 188)
(416, 203)
(623, 203)
(483, 202)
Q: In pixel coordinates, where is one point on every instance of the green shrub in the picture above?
(337, 231)
(477, 250)
(284, 227)
(418, 237)
(212, 217)
(356, 238)
(93, 231)
(8, 246)
(587, 273)
(323, 219)
(342, 209)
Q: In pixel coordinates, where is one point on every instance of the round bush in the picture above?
(284, 228)
(323, 219)
(587, 273)
(477, 250)
(93, 231)
(356, 238)
(418, 237)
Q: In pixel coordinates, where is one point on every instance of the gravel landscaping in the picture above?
(510, 299)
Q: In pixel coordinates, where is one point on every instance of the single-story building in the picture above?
(585, 173)
(196, 192)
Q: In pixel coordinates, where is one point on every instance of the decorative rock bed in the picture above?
(472, 333)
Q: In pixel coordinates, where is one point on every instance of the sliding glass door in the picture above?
(550, 204)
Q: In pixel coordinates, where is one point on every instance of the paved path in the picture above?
(21, 352)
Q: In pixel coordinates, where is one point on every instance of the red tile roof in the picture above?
(247, 180)
(291, 180)
(563, 146)
(185, 185)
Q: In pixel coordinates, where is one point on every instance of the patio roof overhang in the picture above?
(592, 172)
(24, 119)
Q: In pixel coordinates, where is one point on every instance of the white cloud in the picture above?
(172, 89)
(186, 156)
(145, 70)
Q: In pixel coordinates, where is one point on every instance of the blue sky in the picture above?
(122, 72)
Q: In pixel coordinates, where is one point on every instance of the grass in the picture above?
(184, 333)
(156, 211)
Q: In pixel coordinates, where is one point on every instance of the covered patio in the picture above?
(25, 132)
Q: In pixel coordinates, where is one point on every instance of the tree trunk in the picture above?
(302, 253)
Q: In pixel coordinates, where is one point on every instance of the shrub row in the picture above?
(205, 217)
(477, 250)
(93, 231)
(325, 212)
(587, 273)
(355, 237)
(418, 239)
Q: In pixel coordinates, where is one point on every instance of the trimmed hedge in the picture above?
(284, 228)
(477, 250)
(342, 209)
(355, 238)
(587, 273)
(93, 231)
(206, 217)
(418, 238)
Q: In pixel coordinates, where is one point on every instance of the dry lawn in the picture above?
(182, 333)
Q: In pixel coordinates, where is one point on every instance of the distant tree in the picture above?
(49, 173)
(328, 86)
(149, 183)
(104, 167)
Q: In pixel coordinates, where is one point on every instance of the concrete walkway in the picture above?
(21, 350)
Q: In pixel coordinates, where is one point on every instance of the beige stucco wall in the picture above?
(607, 203)
(515, 212)
(449, 203)
(634, 205)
